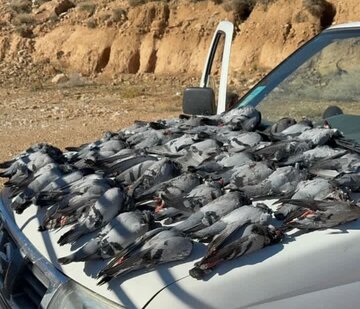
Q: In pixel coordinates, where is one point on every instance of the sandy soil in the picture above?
(68, 114)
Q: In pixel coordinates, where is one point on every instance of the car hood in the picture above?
(301, 264)
(279, 276)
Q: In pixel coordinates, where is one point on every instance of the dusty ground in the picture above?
(70, 114)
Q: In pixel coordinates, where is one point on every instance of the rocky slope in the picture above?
(108, 38)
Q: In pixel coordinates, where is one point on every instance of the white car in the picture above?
(316, 270)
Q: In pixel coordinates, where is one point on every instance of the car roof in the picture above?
(350, 25)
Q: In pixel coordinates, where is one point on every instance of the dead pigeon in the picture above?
(114, 237)
(331, 168)
(212, 212)
(101, 213)
(282, 182)
(254, 237)
(321, 214)
(48, 174)
(249, 174)
(237, 218)
(246, 118)
(282, 124)
(172, 189)
(282, 150)
(70, 207)
(318, 189)
(160, 171)
(195, 199)
(155, 247)
(309, 157)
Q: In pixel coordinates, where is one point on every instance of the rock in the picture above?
(63, 6)
(59, 78)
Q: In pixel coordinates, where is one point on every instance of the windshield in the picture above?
(324, 72)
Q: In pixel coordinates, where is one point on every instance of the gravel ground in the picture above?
(65, 115)
(78, 112)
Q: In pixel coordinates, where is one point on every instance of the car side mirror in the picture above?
(199, 101)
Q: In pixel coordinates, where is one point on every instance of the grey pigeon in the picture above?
(249, 174)
(114, 237)
(173, 188)
(282, 150)
(212, 212)
(67, 179)
(195, 158)
(246, 118)
(33, 162)
(127, 163)
(322, 214)
(318, 136)
(296, 129)
(349, 181)
(32, 151)
(309, 157)
(155, 247)
(69, 207)
(317, 189)
(195, 199)
(101, 213)
(88, 183)
(331, 168)
(254, 237)
(159, 172)
(245, 140)
(170, 215)
(132, 174)
(237, 218)
(282, 182)
(282, 124)
(48, 173)
(236, 159)
(176, 145)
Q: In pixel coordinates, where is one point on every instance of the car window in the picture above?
(325, 73)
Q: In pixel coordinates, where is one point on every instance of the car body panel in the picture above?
(132, 292)
(355, 24)
(225, 28)
(305, 270)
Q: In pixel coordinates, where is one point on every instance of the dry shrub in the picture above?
(136, 2)
(21, 6)
(315, 7)
(40, 2)
(91, 23)
(265, 2)
(118, 14)
(241, 8)
(300, 17)
(88, 7)
(141, 2)
(24, 31)
(27, 19)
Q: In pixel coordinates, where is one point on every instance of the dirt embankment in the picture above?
(109, 38)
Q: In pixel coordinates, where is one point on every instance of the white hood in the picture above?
(299, 265)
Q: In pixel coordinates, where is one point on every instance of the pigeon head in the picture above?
(149, 218)
(282, 124)
(276, 234)
(247, 119)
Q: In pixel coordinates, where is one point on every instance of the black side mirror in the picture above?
(199, 101)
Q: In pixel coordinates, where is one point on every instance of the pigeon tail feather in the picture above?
(70, 236)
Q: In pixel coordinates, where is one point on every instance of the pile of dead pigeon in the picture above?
(150, 190)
